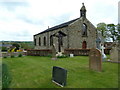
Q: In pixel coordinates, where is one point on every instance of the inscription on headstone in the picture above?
(59, 76)
(95, 59)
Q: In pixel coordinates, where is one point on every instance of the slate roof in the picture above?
(58, 26)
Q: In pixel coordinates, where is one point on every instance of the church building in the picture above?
(74, 34)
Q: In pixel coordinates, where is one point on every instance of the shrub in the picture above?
(12, 56)
(49, 55)
(6, 77)
(63, 56)
(20, 55)
(5, 57)
(4, 49)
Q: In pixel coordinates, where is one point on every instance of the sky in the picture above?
(21, 19)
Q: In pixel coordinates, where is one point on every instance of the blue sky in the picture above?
(21, 19)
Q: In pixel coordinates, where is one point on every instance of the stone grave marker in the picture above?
(95, 59)
(115, 54)
(59, 76)
(53, 52)
(71, 55)
(103, 54)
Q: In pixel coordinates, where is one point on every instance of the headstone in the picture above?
(71, 55)
(53, 52)
(59, 76)
(115, 54)
(95, 59)
(103, 54)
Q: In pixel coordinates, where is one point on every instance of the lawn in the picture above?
(36, 72)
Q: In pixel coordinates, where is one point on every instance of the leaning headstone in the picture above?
(95, 59)
(59, 76)
(53, 52)
(114, 54)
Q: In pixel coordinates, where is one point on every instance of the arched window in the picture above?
(39, 41)
(44, 41)
(51, 40)
(84, 29)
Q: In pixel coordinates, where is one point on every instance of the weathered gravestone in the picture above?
(59, 76)
(53, 52)
(95, 59)
(115, 54)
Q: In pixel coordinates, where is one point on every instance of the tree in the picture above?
(26, 45)
(16, 45)
(113, 31)
(102, 28)
(118, 27)
(109, 31)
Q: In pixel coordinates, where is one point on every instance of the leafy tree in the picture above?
(102, 28)
(113, 31)
(4, 48)
(118, 28)
(16, 45)
(109, 31)
(26, 46)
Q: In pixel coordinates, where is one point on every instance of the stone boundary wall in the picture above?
(8, 54)
(84, 52)
(77, 52)
(47, 52)
(42, 52)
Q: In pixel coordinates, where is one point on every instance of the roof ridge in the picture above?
(58, 26)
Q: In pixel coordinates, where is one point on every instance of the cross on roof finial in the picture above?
(83, 4)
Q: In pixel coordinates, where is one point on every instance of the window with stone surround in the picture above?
(39, 41)
(44, 41)
(51, 40)
(84, 30)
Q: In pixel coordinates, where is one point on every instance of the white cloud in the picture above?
(20, 20)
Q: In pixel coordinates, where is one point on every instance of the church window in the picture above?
(84, 30)
(51, 40)
(44, 41)
(39, 41)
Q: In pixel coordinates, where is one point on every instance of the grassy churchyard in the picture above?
(36, 72)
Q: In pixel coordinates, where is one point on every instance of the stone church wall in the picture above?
(74, 37)
(55, 39)
(75, 34)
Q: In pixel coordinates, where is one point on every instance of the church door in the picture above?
(84, 45)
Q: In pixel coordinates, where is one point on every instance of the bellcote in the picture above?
(83, 11)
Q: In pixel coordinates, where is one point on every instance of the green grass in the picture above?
(36, 72)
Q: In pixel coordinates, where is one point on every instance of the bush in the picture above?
(4, 49)
(63, 56)
(12, 56)
(20, 55)
(6, 77)
(49, 55)
(5, 57)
